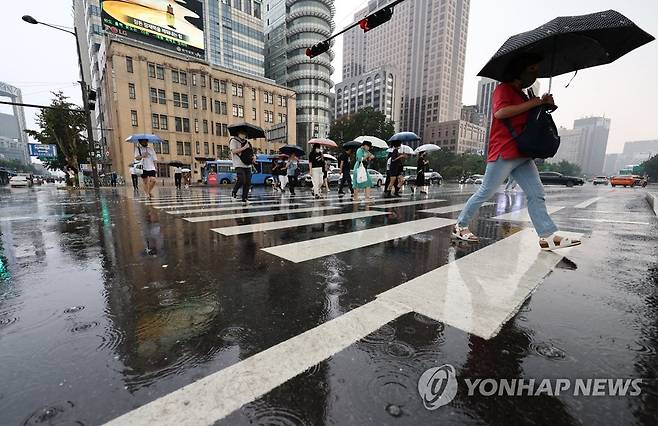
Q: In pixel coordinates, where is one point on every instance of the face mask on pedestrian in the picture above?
(529, 76)
(143, 143)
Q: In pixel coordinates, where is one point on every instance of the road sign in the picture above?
(42, 150)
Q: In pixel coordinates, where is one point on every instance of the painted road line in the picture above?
(219, 394)
(480, 292)
(209, 204)
(451, 209)
(258, 214)
(228, 209)
(522, 215)
(627, 222)
(201, 199)
(320, 247)
(283, 224)
(490, 299)
(587, 203)
(407, 203)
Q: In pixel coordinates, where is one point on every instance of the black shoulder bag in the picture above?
(539, 137)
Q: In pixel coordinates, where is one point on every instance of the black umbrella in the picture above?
(252, 131)
(176, 164)
(291, 149)
(351, 144)
(571, 43)
(404, 137)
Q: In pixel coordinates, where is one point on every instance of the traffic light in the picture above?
(91, 99)
(376, 19)
(317, 49)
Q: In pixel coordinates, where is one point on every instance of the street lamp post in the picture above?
(85, 98)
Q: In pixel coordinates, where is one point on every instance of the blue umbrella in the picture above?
(404, 137)
(141, 136)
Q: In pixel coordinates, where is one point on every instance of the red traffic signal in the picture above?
(317, 49)
(376, 19)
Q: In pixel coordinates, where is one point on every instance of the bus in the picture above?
(218, 172)
(262, 170)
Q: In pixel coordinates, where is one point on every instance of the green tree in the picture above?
(651, 167)
(564, 167)
(18, 166)
(65, 129)
(363, 122)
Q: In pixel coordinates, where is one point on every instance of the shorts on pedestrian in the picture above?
(148, 173)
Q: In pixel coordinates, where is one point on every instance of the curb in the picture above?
(652, 199)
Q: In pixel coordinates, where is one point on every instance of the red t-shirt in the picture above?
(501, 141)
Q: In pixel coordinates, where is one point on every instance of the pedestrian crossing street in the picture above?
(463, 293)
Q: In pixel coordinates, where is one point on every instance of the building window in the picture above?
(285, 101)
(162, 97)
(253, 94)
(186, 125)
(157, 148)
(253, 114)
(203, 81)
(195, 102)
(193, 79)
(133, 118)
(179, 148)
(222, 86)
(183, 78)
(196, 125)
(279, 100)
(185, 101)
(188, 148)
(247, 7)
(218, 129)
(176, 99)
(159, 70)
(237, 4)
(257, 12)
(206, 148)
(163, 169)
(165, 147)
(175, 77)
(280, 118)
(217, 107)
(224, 108)
(131, 91)
(155, 121)
(215, 85)
(225, 129)
(205, 126)
(238, 90)
(204, 103)
(240, 111)
(129, 64)
(179, 124)
(164, 125)
(154, 95)
(198, 149)
(151, 69)
(235, 110)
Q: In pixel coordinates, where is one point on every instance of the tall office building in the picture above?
(596, 131)
(486, 87)
(571, 146)
(292, 26)
(13, 140)
(430, 83)
(377, 89)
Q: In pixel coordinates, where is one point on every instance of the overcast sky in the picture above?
(38, 59)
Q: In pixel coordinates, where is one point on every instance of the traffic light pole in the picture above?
(85, 103)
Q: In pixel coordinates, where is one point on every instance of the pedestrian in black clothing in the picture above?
(396, 169)
(346, 171)
(421, 167)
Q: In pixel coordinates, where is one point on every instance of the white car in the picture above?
(18, 181)
(377, 178)
(600, 180)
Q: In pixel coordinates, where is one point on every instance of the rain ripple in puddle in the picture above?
(261, 413)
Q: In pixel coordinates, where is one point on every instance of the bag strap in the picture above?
(510, 128)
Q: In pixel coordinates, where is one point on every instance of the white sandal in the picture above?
(552, 245)
(458, 232)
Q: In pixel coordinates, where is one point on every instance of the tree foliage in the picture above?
(651, 167)
(367, 121)
(451, 165)
(564, 167)
(18, 166)
(65, 129)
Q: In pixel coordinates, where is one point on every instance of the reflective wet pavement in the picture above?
(110, 303)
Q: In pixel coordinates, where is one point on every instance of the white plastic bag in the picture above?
(361, 174)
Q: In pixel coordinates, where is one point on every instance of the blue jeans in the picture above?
(525, 173)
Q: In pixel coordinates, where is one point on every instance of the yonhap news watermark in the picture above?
(438, 386)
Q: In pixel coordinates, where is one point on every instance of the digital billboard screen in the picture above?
(175, 24)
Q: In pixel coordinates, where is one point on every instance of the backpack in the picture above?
(539, 137)
(246, 156)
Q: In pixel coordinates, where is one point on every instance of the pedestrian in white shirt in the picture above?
(146, 154)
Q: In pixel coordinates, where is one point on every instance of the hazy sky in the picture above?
(38, 59)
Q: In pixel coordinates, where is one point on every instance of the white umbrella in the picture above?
(403, 149)
(330, 157)
(376, 142)
(428, 147)
(185, 170)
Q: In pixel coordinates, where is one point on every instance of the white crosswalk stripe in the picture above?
(451, 209)
(231, 208)
(407, 203)
(209, 204)
(320, 247)
(259, 214)
(283, 224)
(522, 215)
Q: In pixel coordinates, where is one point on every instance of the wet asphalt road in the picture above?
(108, 303)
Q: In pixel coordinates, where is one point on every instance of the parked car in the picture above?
(555, 178)
(472, 179)
(624, 180)
(19, 181)
(377, 178)
(433, 177)
(600, 180)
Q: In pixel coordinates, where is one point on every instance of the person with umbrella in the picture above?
(146, 154)
(361, 176)
(395, 169)
(505, 159)
(345, 169)
(134, 177)
(178, 176)
(243, 155)
(316, 159)
(421, 167)
(292, 171)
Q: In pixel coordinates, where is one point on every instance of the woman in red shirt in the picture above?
(504, 159)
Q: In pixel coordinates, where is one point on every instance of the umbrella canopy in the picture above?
(352, 145)
(404, 137)
(571, 43)
(291, 149)
(176, 164)
(324, 142)
(141, 136)
(330, 157)
(252, 131)
(428, 147)
(185, 170)
(376, 142)
(403, 149)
